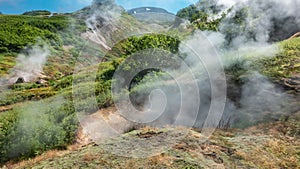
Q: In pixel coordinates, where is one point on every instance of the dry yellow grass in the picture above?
(272, 154)
(46, 156)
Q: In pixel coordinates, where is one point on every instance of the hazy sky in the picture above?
(20, 6)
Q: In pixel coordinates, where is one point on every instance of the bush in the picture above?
(136, 44)
(36, 127)
(16, 32)
(199, 14)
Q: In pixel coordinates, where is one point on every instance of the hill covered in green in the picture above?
(37, 117)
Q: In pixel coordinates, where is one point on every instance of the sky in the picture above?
(63, 6)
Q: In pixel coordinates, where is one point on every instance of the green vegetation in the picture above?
(59, 122)
(30, 129)
(285, 63)
(6, 63)
(42, 117)
(63, 88)
(200, 15)
(54, 118)
(20, 31)
(150, 41)
(16, 32)
(230, 149)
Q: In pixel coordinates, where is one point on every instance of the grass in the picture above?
(242, 150)
(25, 92)
(273, 153)
(6, 63)
(286, 63)
(35, 127)
(49, 108)
(20, 31)
(17, 31)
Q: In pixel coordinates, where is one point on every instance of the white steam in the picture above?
(30, 64)
(257, 99)
(262, 100)
(101, 20)
(254, 100)
(263, 20)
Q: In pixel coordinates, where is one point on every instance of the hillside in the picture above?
(147, 9)
(94, 88)
(266, 146)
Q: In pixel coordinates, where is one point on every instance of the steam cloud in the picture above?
(270, 20)
(257, 98)
(101, 21)
(30, 65)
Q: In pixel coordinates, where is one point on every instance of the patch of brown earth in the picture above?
(104, 124)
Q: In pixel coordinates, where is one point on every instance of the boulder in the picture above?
(41, 82)
(20, 80)
(293, 83)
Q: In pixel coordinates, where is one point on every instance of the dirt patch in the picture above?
(104, 124)
(5, 108)
(9, 107)
(67, 47)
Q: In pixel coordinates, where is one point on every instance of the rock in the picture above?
(295, 35)
(20, 80)
(293, 83)
(41, 82)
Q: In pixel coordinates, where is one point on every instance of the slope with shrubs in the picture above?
(200, 15)
(57, 124)
(61, 116)
(17, 31)
(60, 122)
(23, 103)
(286, 63)
(20, 31)
(224, 149)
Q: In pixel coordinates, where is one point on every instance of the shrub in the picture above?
(36, 127)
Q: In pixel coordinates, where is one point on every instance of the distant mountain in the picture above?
(154, 16)
(147, 10)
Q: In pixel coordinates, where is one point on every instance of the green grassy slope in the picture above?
(17, 31)
(20, 31)
(225, 149)
(57, 124)
(18, 101)
(63, 115)
(286, 63)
